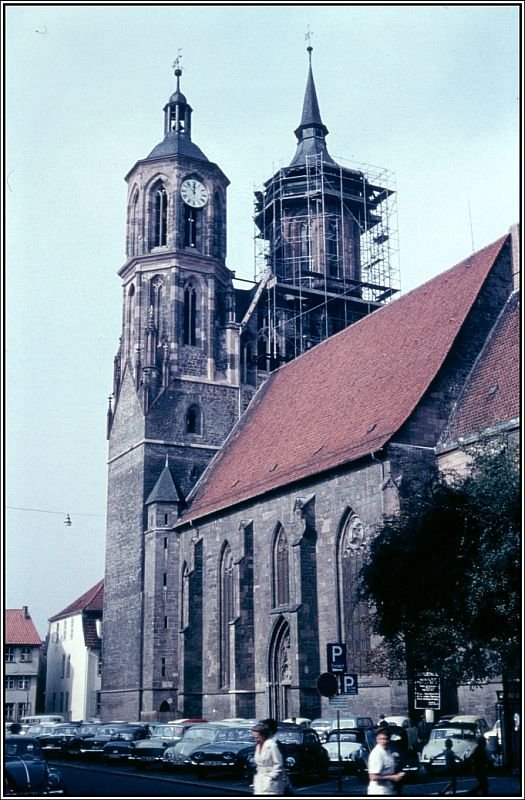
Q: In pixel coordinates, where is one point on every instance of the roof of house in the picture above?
(92, 600)
(328, 407)
(19, 628)
(491, 395)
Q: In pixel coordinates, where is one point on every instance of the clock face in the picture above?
(194, 193)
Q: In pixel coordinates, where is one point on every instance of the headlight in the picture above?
(197, 756)
(53, 779)
(229, 756)
(290, 762)
(251, 762)
(168, 755)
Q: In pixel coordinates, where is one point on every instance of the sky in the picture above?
(427, 91)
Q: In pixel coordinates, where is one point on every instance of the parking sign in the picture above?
(336, 657)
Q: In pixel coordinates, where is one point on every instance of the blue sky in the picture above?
(427, 91)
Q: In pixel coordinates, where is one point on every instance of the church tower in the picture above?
(175, 398)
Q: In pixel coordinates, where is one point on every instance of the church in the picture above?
(258, 434)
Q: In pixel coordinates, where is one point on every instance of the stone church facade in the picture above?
(250, 456)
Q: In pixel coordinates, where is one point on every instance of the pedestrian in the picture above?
(381, 766)
(270, 777)
(450, 766)
(272, 724)
(480, 764)
(382, 720)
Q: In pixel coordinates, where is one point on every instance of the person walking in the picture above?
(481, 763)
(450, 766)
(272, 724)
(381, 767)
(270, 776)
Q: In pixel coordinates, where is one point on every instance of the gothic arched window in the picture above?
(160, 216)
(281, 571)
(227, 613)
(133, 225)
(194, 420)
(352, 614)
(184, 597)
(130, 320)
(305, 245)
(190, 315)
(156, 290)
(332, 249)
(217, 249)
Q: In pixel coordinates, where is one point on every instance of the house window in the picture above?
(72, 620)
(25, 654)
(281, 570)
(9, 683)
(23, 710)
(63, 666)
(23, 682)
(165, 623)
(10, 654)
(68, 667)
(190, 315)
(194, 420)
(9, 711)
(57, 633)
(163, 667)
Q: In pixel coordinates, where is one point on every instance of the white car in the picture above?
(479, 722)
(348, 746)
(304, 722)
(464, 736)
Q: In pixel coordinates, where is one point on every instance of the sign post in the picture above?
(336, 657)
(427, 692)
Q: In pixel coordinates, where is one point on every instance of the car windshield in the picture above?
(235, 735)
(344, 736)
(456, 732)
(38, 730)
(94, 728)
(206, 734)
(28, 749)
(169, 731)
(290, 737)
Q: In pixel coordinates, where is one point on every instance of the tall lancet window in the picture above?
(190, 315)
(133, 225)
(305, 246)
(130, 322)
(227, 613)
(281, 571)
(192, 227)
(217, 226)
(184, 596)
(160, 216)
(352, 615)
(332, 249)
(155, 299)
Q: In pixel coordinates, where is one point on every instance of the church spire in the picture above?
(311, 131)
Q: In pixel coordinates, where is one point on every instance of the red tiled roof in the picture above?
(20, 629)
(92, 600)
(346, 397)
(492, 393)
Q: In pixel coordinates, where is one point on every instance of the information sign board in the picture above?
(427, 693)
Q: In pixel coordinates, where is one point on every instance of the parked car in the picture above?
(222, 753)
(408, 725)
(352, 722)
(122, 743)
(479, 722)
(86, 730)
(149, 751)
(347, 745)
(26, 771)
(405, 756)
(179, 754)
(464, 737)
(303, 752)
(322, 727)
(56, 739)
(93, 744)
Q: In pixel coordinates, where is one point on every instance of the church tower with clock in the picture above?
(176, 396)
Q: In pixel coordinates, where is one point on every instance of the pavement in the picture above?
(499, 786)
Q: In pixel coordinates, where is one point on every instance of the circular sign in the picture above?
(327, 684)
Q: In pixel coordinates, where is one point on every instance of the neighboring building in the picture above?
(251, 450)
(74, 657)
(22, 654)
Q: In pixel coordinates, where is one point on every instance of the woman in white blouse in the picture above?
(270, 778)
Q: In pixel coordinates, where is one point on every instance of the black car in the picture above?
(303, 752)
(121, 744)
(223, 752)
(405, 757)
(150, 751)
(93, 744)
(57, 739)
(26, 771)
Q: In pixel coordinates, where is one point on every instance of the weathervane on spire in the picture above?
(177, 67)
(308, 36)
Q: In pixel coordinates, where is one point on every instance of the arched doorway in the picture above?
(279, 671)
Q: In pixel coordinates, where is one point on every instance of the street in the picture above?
(86, 780)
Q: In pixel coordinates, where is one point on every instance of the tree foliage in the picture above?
(443, 578)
